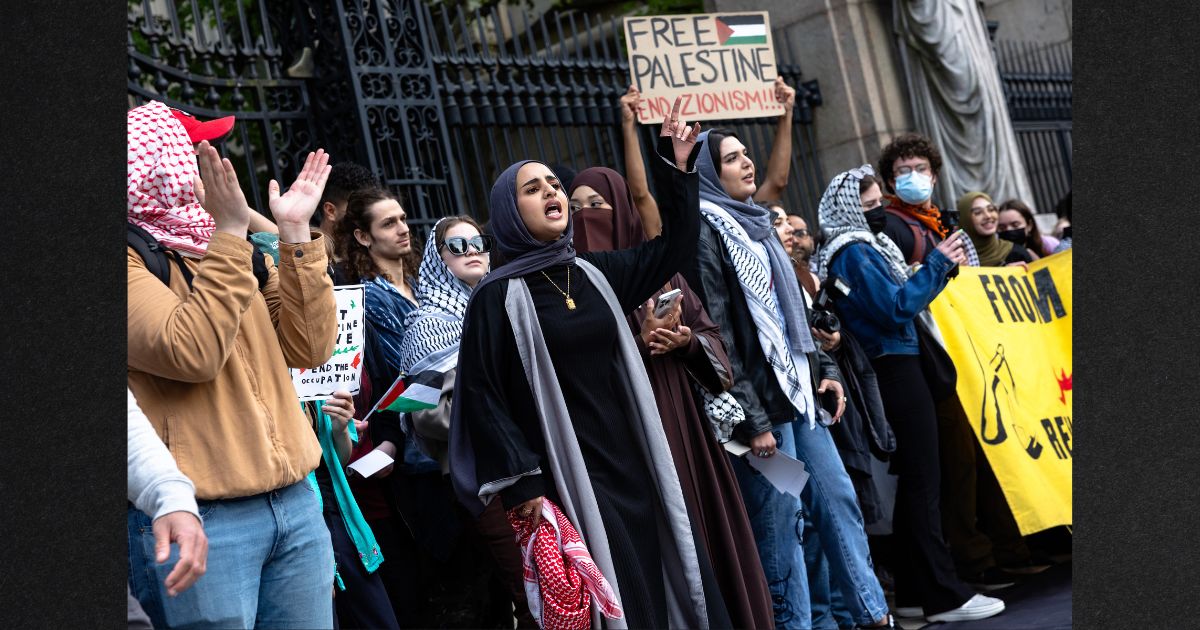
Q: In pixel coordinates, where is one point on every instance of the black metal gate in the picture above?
(1037, 86)
(435, 98)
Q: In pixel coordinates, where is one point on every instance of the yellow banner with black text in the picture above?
(1008, 331)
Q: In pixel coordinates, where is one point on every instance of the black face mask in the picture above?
(876, 219)
(1013, 236)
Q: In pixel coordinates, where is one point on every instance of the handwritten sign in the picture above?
(722, 64)
(345, 366)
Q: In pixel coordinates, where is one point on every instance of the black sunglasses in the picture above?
(457, 245)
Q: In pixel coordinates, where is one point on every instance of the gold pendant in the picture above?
(570, 304)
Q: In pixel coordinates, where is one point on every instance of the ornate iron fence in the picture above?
(435, 98)
(1037, 86)
(223, 58)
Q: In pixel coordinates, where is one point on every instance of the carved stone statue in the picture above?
(957, 98)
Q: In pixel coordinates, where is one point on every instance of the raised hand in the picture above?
(219, 193)
(293, 209)
(683, 136)
(629, 104)
(785, 95)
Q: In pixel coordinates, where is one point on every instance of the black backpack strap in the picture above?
(156, 258)
(259, 262)
(150, 251)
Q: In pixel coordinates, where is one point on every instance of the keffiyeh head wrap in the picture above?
(161, 180)
(842, 222)
(433, 331)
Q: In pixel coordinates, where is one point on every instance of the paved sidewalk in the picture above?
(1041, 602)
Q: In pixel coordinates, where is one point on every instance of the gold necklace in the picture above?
(566, 294)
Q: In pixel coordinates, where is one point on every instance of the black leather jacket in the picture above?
(755, 387)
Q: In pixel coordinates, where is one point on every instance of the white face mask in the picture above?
(914, 188)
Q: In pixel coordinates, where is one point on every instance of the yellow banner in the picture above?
(1009, 333)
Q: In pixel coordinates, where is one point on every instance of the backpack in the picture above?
(155, 256)
(918, 253)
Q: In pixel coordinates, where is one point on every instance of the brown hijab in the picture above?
(599, 229)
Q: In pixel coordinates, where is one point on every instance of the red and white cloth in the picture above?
(161, 180)
(561, 579)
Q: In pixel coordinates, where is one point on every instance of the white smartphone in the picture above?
(666, 301)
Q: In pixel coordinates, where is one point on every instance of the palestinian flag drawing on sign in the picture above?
(741, 30)
(417, 392)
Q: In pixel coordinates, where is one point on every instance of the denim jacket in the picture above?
(879, 312)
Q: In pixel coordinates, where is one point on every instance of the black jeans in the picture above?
(976, 518)
(924, 568)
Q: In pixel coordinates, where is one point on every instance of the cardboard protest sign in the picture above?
(722, 64)
(1009, 334)
(345, 366)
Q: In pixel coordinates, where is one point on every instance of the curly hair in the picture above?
(358, 217)
(1034, 242)
(344, 178)
(906, 146)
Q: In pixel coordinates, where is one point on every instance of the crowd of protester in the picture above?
(609, 362)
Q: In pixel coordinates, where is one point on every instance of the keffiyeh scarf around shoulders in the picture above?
(433, 331)
(770, 293)
(842, 222)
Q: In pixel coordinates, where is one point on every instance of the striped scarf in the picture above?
(433, 331)
(842, 223)
(755, 280)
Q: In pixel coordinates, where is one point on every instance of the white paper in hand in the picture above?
(783, 471)
(371, 463)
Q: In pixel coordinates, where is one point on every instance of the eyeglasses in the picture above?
(457, 245)
(800, 233)
(905, 170)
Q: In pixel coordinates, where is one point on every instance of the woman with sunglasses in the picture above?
(980, 219)
(880, 310)
(454, 261)
(553, 406)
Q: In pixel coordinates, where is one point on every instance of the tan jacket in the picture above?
(210, 369)
(433, 425)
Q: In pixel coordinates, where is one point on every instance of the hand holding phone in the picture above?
(666, 301)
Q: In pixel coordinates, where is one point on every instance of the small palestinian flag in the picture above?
(741, 30)
(417, 392)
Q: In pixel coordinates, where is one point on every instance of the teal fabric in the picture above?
(356, 525)
(267, 243)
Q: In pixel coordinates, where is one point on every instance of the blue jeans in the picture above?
(776, 520)
(839, 548)
(270, 565)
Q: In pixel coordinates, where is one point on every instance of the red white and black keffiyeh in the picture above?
(561, 580)
(161, 181)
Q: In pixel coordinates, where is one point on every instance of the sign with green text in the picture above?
(344, 368)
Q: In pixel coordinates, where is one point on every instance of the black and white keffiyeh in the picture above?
(842, 222)
(433, 331)
(740, 224)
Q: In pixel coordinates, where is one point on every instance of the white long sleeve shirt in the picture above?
(155, 484)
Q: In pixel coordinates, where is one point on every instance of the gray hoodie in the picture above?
(155, 484)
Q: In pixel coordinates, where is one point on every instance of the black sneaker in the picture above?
(993, 579)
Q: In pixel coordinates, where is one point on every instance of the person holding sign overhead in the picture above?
(552, 399)
(749, 288)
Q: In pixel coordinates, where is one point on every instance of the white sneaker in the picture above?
(978, 607)
(909, 612)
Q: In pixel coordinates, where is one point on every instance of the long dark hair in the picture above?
(1034, 241)
(358, 217)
